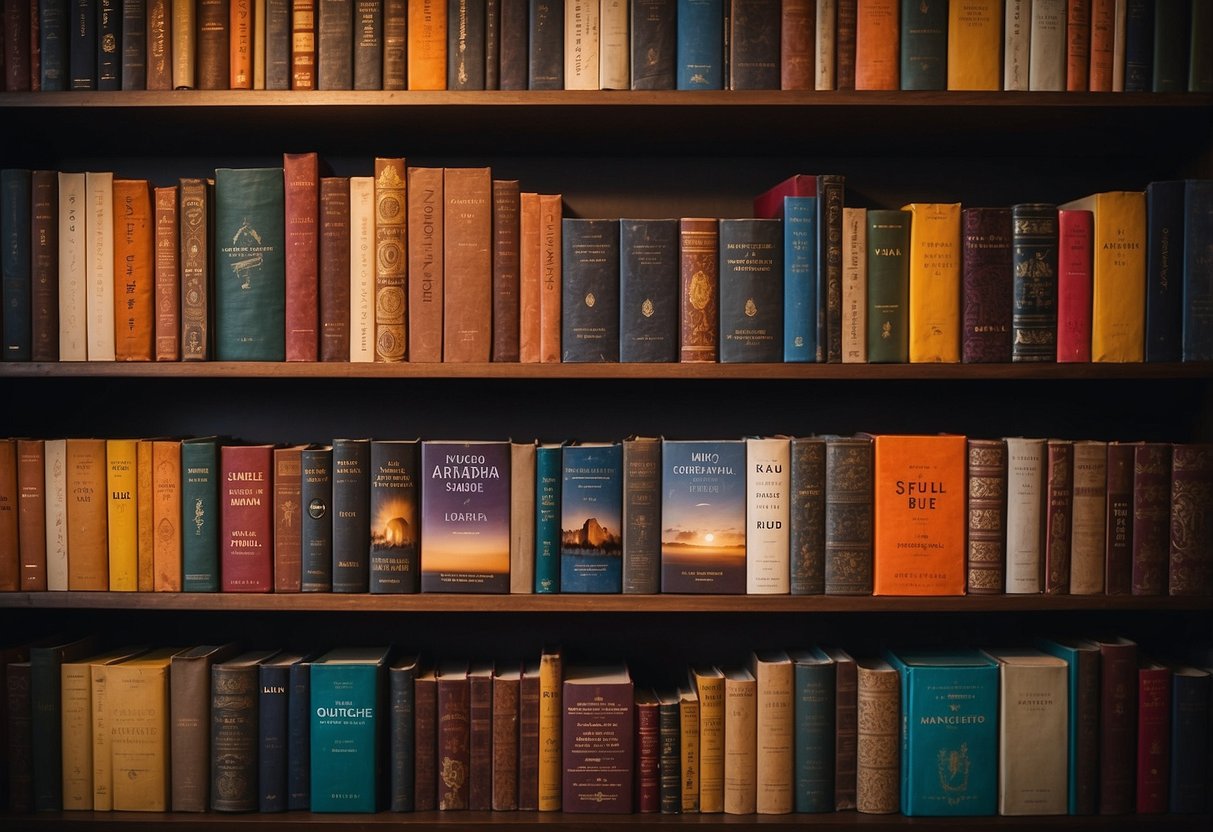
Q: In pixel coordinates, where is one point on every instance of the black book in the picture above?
(235, 697)
(465, 44)
(1164, 267)
(546, 45)
(351, 514)
(394, 516)
(368, 45)
(669, 758)
(134, 44)
(753, 40)
(16, 286)
(830, 197)
(52, 44)
(335, 45)
(808, 516)
(317, 499)
(273, 731)
(278, 44)
(653, 30)
(401, 676)
(298, 738)
(46, 661)
(1034, 304)
(751, 290)
(514, 60)
(492, 44)
(83, 52)
(648, 289)
(590, 291)
(109, 45)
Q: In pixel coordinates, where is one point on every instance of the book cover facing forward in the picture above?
(703, 514)
(591, 525)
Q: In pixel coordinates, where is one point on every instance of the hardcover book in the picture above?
(200, 511)
(1059, 510)
(189, 711)
(934, 282)
(751, 290)
(1151, 518)
(44, 265)
(975, 45)
(986, 546)
(316, 501)
(426, 261)
(351, 515)
(362, 269)
(699, 274)
(334, 277)
(1082, 759)
(99, 268)
(1198, 287)
(888, 286)
(768, 518)
(591, 518)
(582, 26)
(878, 748)
(87, 565)
(347, 699)
(506, 682)
(849, 531)
(797, 39)
(1118, 684)
(1088, 531)
(703, 515)
(1078, 45)
(234, 696)
(137, 714)
(855, 286)
(546, 39)
(1074, 286)
(1034, 293)
(669, 753)
(394, 516)
(1153, 738)
(775, 729)
(426, 44)
(1118, 531)
(987, 280)
(1190, 569)
(273, 731)
(506, 236)
(465, 47)
(699, 61)
(652, 29)
(15, 237)
(813, 704)
(197, 268)
(288, 520)
(877, 36)
(549, 475)
(301, 174)
(480, 739)
(807, 531)
(1026, 514)
(1190, 688)
(551, 723)
(648, 290)
(468, 264)
(425, 740)
(122, 521)
(391, 263)
(402, 675)
(925, 41)
(754, 40)
(246, 518)
(167, 267)
(1165, 239)
(708, 685)
(740, 742)
(801, 268)
(30, 482)
(597, 737)
(1047, 51)
(590, 294)
(73, 256)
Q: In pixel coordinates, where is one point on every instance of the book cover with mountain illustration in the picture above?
(591, 519)
(703, 516)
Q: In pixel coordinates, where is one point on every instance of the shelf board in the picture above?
(509, 604)
(790, 372)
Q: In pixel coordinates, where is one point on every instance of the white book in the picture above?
(614, 49)
(827, 17)
(73, 273)
(767, 543)
(1047, 47)
(1017, 30)
(1118, 45)
(55, 456)
(854, 285)
(259, 24)
(1088, 532)
(99, 266)
(362, 269)
(581, 44)
(1025, 514)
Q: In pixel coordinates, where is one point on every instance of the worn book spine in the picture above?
(1118, 532)
(10, 554)
(700, 51)
(505, 689)
(334, 44)
(196, 269)
(82, 50)
(30, 481)
(395, 37)
(1139, 46)
(166, 515)
(528, 738)
(1074, 234)
(1103, 34)
(368, 45)
(44, 266)
(830, 191)
(1190, 569)
(848, 516)
(669, 798)
(53, 43)
(934, 282)
(109, 45)
(454, 736)
(302, 194)
(316, 500)
(303, 44)
(246, 553)
(1153, 763)
(522, 517)
(1034, 309)
(808, 516)
(394, 517)
(854, 285)
(1017, 26)
(19, 730)
(233, 721)
(134, 275)
(614, 51)
(505, 288)
(813, 708)
(1165, 240)
(641, 516)
(877, 36)
(214, 46)
(351, 515)
(144, 513)
(190, 726)
(1025, 527)
(1059, 504)
(590, 295)
(546, 46)
(1088, 529)
(751, 290)
(55, 451)
(15, 236)
(514, 59)
(648, 290)
(240, 45)
(1117, 725)
(1197, 285)
(167, 275)
(391, 270)
(550, 277)
(1189, 740)
(467, 306)
(528, 278)
(987, 513)
(273, 692)
(480, 737)
(200, 512)
(401, 717)
(1151, 518)
(1047, 58)
(426, 201)
(800, 272)
(1032, 729)
(425, 742)
(888, 286)
(754, 44)
(465, 45)
(288, 518)
(362, 269)
(924, 45)
(88, 567)
(334, 272)
(647, 764)
(878, 758)
(797, 39)
(986, 285)
(652, 29)
(492, 44)
(427, 44)
(184, 28)
(159, 45)
(1078, 45)
(73, 255)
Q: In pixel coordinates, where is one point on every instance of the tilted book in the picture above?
(703, 515)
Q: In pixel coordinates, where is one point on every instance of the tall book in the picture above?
(298, 762)
(1074, 286)
(797, 39)
(652, 30)
(273, 731)
(1151, 510)
(648, 290)
(277, 57)
(316, 501)
(391, 264)
(800, 273)
(751, 290)
(888, 237)
(235, 696)
(190, 732)
(10, 555)
(529, 286)
(551, 719)
(1026, 517)
(351, 515)
(1190, 571)
(167, 271)
(775, 726)
(1164, 269)
(213, 55)
(506, 230)
(740, 742)
(73, 258)
(88, 564)
(582, 32)
(334, 275)
(200, 509)
(55, 452)
(1088, 532)
(425, 739)
(699, 54)
(768, 517)
(591, 518)
(301, 172)
(401, 678)
(1103, 46)
(550, 280)
(825, 45)
(122, 520)
(688, 748)
(986, 285)
(1117, 724)
(134, 278)
(597, 737)
(845, 45)
(1118, 518)
(878, 750)
(924, 49)
(1198, 288)
(975, 33)
(528, 736)
(546, 42)
(1078, 45)
(877, 36)
(514, 57)
(368, 45)
(1034, 257)
(44, 265)
(669, 736)
(109, 45)
(707, 683)
(934, 282)
(813, 704)
(137, 705)
(468, 263)
(703, 534)
(1059, 510)
(144, 514)
(395, 22)
(845, 727)
(1082, 759)
(246, 518)
(288, 518)
(362, 269)
(753, 41)
(522, 517)
(347, 698)
(334, 44)
(855, 285)
(1047, 51)
(426, 291)
(1171, 26)
(241, 36)
(1139, 46)
(394, 516)
(807, 520)
(480, 736)
(699, 304)
(426, 45)
(986, 541)
(849, 471)
(197, 269)
(590, 309)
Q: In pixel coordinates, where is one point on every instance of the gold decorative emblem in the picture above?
(452, 773)
(109, 44)
(245, 242)
(646, 308)
(390, 178)
(700, 291)
(750, 309)
(954, 769)
(590, 299)
(289, 509)
(886, 330)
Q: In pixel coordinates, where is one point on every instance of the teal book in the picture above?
(949, 732)
(800, 265)
(1082, 656)
(250, 265)
(888, 286)
(591, 518)
(548, 475)
(200, 514)
(813, 678)
(924, 44)
(348, 724)
(699, 53)
(703, 516)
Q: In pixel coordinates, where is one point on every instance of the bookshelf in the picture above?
(620, 154)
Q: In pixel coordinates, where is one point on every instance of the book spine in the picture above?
(134, 45)
(10, 555)
(855, 286)
(391, 270)
(688, 744)
(303, 44)
(109, 44)
(808, 516)
(1189, 742)
(1139, 46)
(467, 304)
(775, 729)
(76, 685)
(528, 739)
(878, 709)
(335, 45)
(800, 268)
(768, 475)
(1118, 533)
(669, 774)
(20, 736)
(86, 515)
(1197, 284)
(240, 45)
(986, 285)
(551, 713)
(813, 711)
(700, 293)
(1034, 310)
(877, 35)
(550, 278)
(1074, 233)
(393, 495)
(134, 277)
(1164, 265)
(888, 286)
(480, 742)
(159, 45)
(44, 266)
(652, 29)
(1117, 727)
(751, 296)
(15, 235)
(505, 743)
(196, 269)
(351, 515)
(1103, 35)
(45, 692)
(425, 743)
(548, 467)
(277, 44)
(700, 53)
(505, 290)
(184, 27)
(935, 282)
(648, 288)
(73, 255)
(465, 45)
(1171, 19)
(1151, 518)
(753, 40)
(848, 517)
(515, 61)
(590, 294)
(143, 510)
(395, 37)
(797, 39)
(234, 711)
(334, 302)
(56, 514)
(53, 43)
(1190, 571)
(200, 511)
(167, 275)
(454, 730)
(426, 191)
(82, 51)
(546, 39)
(362, 269)
(1047, 61)
(427, 40)
(987, 512)
(30, 489)
(401, 739)
(582, 34)
(272, 739)
(214, 48)
(1059, 500)
(1017, 27)
(1078, 45)
(1087, 520)
(648, 757)
(166, 516)
(641, 516)
(298, 739)
(302, 195)
(368, 45)
(529, 284)
(1200, 67)
(316, 501)
(246, 560)
(1153, 775)
(492, 44)
(924, 46)
(830, 190)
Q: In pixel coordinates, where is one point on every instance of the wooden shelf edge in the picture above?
(517, 604)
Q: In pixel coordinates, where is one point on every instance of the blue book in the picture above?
(347, 708)
(590, 293)
(949, 732)
(924, 44)
(401, 727)
(1139, 46)
(800, 268)
(751, 290)
(548, 474)
(813, 701)
(82, 53)
(53, 44)
(15, 266)
(299, 723)
(1164, 267)
(700, 45)
(1198, 270)
(648, 290)
(591, 518)
(1083, 695)
(200, 514)
(703, 514)
(1190, 690)
(273, 731)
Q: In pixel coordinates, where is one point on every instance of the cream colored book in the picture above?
(1047, 46)
(772, 671)
(708, 684)
(581, 44)
(99, 266)
(768, 516)
(1088, 532)
(740, 742)
(73, 268)
(614, 47)
(55, 452)
(522, 517)
(362, 269)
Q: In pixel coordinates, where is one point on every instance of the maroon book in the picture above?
(1151, 517)
(44, 250)
(480, 775)
(1153, 738)
(846, 727)
(246, 518)
(425, 741)
(528, 738)
(844, 46)
(334, 268)
(986, 293)
(19, 750)
(597, 740)
(454, 735)
(302, 174)
(1075, 231)
(1059, 499)
(769, 204)
(1117, 725)
(648, 752)
(506, 264)
(1191, 553)
(168, 275)
(505, 685)
(16, 45)
(35, 48)
(1118, 559)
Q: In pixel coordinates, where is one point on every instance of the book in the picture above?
(740, 742)
(49, 33)
(480, 736)
(546, 42)
(1082, 760)
(1200, 68)
(506, 683)
(888, 236)
(109, 45)
(368, 45)
(550, 775)
(528, 737)
(550, 281)
(73, 257)
(1078, 45)
(82, 47)
(582, 31)
(425, 739)
(648, 286)
(288, 518)
(233, 739)
(1074, 255)
(190, 731)
(1164, 265)
(975, 34)
(1151, 510)
(1153, 739)
(99, 267)
(55, 453)
(1047, 58)
(362, 269)
(167, 274)
(549, 474)
(986, 538)
(878, 750)
(1139, 47)
(18, 760)
(925, 45)
(137, 712)
(492, 45)
(1189, 739)
(1026, 523)
(1189, 569)
(768, 516)
(465, 493)
(121, 518)
(807, 521)
(703, 532)
(751, 290)
(1088, 530)
(213, 50)
(334, 284)
(276, 25)
(1118, 515)
(590, 302)
(351, 515)
(301, 174)
(1171, 34)
(797, 42)
(855, 286)
(800, 273)
(298, 762)
(688, 748)
(347, 698)
(316, 501)
(877, 36)
(1118, 685)
(830, 187)
(699, 276)
(394, 516)
(849, 510)
(669, 753)
(87, 564)
(246, 555)
(707, 683)
(647, 766)
(934, 256)
(506, 236)
(699, 45)
(29, 486)
(427, 217)
(200, 508)
(273, 731)
(10, 555)
(597, 736)
(401, 677)
(753, 40)
(143, 514)
(1103, 46)
(1034, 240)
(44, 265)
(15, 285)
(591, 518)
(395, 22)
(653, 32)
(775, 726)
(1059, 510)
(197, 268)
(1198, 231)
(391, 264)
(46, 658)
(986, 285)
(529, 285)
(514, 58)
(467, 256)
(426, 45)
(813, 717)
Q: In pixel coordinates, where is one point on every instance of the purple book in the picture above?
(986, 238)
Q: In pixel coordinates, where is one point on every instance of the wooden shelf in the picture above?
(509, 604)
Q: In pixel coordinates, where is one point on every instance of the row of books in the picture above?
(1101, 45)
(1070, 726)
(884, 515)
(449, 264)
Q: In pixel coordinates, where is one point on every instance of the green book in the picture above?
(888, 286)
(813, 703)
(250, 265)
(348, 721)
(200, 514)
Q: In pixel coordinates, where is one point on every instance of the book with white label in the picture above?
(1025, 514)
(768, 478)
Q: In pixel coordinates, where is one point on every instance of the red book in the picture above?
(1078, 45)
(1075, 231)
(454, 735)
(1153, 737)
(648, 752)
(168, 276)
(769, 204)
(1103, 44)
(334, 268)
(425, 740)
(302, 173)
(528, 738)
(596, 737)
(246, 518)
(1151, 517)
(1118, 537)
(1117, 724)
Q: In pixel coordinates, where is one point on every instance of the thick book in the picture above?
(200, 510)
(1103, 46)
(15, 236)
(277, 24)
(1074, 256)
(1171, 36)
(426, 45)
(751, 290)
(46, 658)
(888, 237)
(234, 741)
(522, 517)
(351, 515)
(514, 58)
(347, 697)
(506, 231)
(975, 34)
(807, 516)
(1035, 261)
(467, 308)
(699, 292)
(394, 517)
(87, 565)
(878, 771)
(652, 29)
(167, 274)
(648, 290)
(197, 269)
(273, 726)
(849, 471)
(401, 676)
(591, 518)
(1153, 776)
(190, 731)
(845, 728)
(333, 306)
(1088, 530)
(316, 506)
(1197, 285)
(1059, 509)
(669, 752)
(30, 489)
(740, 742)
(1118, 518)
(109, 45)
(986, 542)
(304, 41)
(949, 734)
(919, 509)
(797, 43)
(145, 518)
(334, 44)
(18, 759)
(846, 19)
(986, 281)
(768, 515)
(480, 736)
(362, 269)
(582, 51)
(597, 737)
(754, 40)
(813, 704)
(688, 748)
(1165, 239)
(465, 499)
(707, 683)
(492, 44)
(426, 219)
(137, 716)
(82, 46)
(391, 261)
(641, 515)
(1190, 565)
(1118, 659)
(1151, 518)
(590, 308)
(801, 269)
(1139, 46)
(301, 172)
(934, 282)
(213, 60)
(10, 554)
(549, 474)
(506, 684)
(368, 45)
(1190, 688)
(699, 62)
(546, 46)
(425, 740)
(703, 532)
(877, 36)
(1083, 671)
(241, 36)
(50, 34)
(246, 518)
(1047, 58)
(1200, 68)
(925, 41)
(1078, 45)
(44, 266)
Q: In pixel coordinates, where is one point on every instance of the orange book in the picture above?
(551, 216)
(166, 515)
(241, 45)
(134, 276)
(467, 326)
(427, 45)
(145, 576)
(877, 39)
(1078, 45)
(1103, 44)
(920, 515)
(975, 45)
(87, 504)
(528, 277)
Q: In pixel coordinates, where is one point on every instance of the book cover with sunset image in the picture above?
(703, 516)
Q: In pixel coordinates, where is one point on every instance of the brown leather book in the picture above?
(1059, 499)
(10, 555)
(1191, 554)
(528, 738)
(528, 278)
(1103, 44)
(195, 255)
(700, 295)
(303, 45)
(845, 727)
(1078, 45)
(878, 709)
(288, 518)
(468, 283)
(505, 269)
(395, 30)
(844, 45)
(166, 515)
(214, 57)
(241, 44)
(480, 742)
(144, 516)
(425, 741)
(31, 513)
(35, 48)
(19, 754)
(877, 38)
(134, 274)
(234, 732)
(425, 248)
(987, 510)
(1117, 725)
(44, 289)
(1118, 561)
(87, 557)
(159, 45)
(391, 264)
(454, 734)
(1151, 517)
(167, 276)
(301, 172)
(797, 45)
(14, 26)
(506, 682)
(551, 215)
(190, 725)
(335, 268)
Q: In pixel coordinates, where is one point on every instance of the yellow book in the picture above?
(688, 745)
(100, 779)
(138, 715)
(772, 671)
(551, 715)
(76, 719)
(740, 742)
(146, 524)
(975, 45)
(934, 282)
(1118, 291)
(708, 683)
(122, 514)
